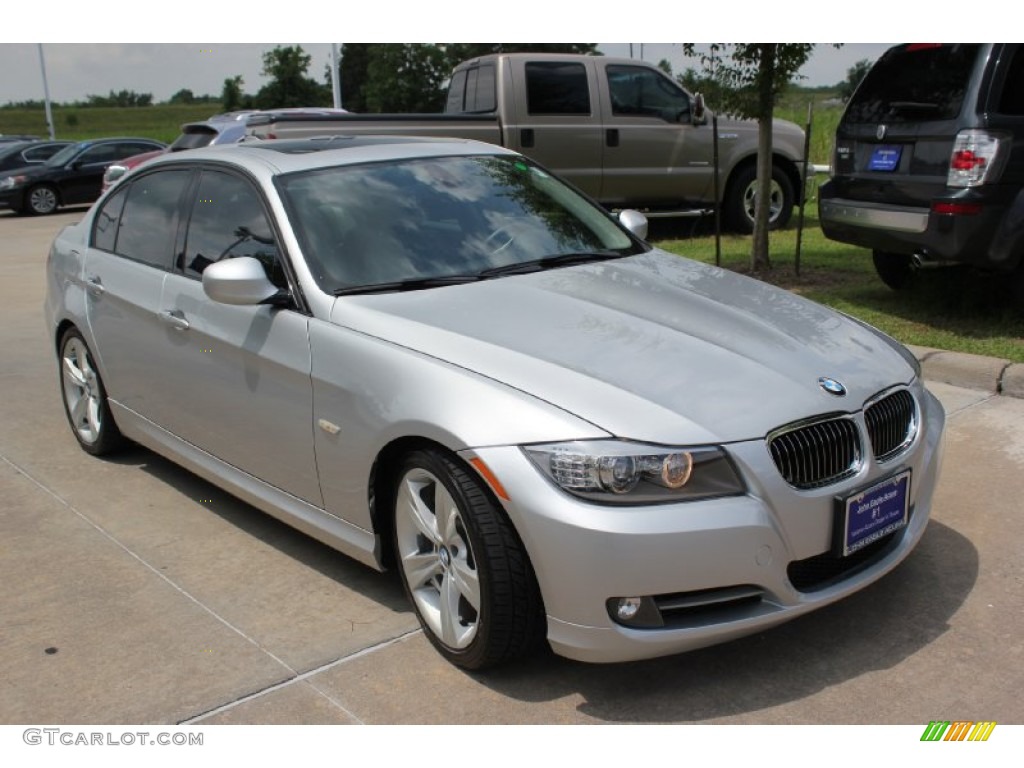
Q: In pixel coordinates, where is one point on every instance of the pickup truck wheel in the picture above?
(897, 270)
(740, 197)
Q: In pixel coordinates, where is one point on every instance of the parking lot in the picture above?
(135, 592)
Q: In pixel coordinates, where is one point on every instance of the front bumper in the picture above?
(737, 555)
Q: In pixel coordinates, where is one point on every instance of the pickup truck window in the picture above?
(639, 91)
(556, 88)
(472, 90)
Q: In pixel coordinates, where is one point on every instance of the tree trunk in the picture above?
(759, 256)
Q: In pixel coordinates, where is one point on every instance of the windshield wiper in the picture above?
(412, 284)
(550, 262)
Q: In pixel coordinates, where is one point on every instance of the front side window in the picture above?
(104, 224)
(103, 153)
(149, 220)
(557, 88)
(228, 220)
(641, 92)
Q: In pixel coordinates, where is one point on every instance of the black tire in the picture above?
(738, 206)
(897, 270)
(85, 398)
(470, 553)
(41, 200)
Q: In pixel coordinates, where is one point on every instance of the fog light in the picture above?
(627, 608)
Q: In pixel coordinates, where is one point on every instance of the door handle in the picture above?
(175, 318)
(94, 285)
(612, 137)
(526, 138)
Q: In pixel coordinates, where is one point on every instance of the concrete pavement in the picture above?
(134, 592)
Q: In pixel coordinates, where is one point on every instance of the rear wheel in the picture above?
(897, 270)
(85, 398)
(462, 565)
(41, 200)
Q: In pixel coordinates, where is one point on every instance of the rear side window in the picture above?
(472, 90)
(1011, 101)
(557, 88)
(149, 220)
(914, 83)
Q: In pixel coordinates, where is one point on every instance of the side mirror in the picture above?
(635, 222)
(238, 281)
(700, 110)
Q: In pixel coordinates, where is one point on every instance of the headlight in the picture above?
(8, 182)
(619, 472)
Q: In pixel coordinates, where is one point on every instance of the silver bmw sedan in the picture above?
(437, 357)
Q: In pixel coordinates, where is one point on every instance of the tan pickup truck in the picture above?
(619, 129)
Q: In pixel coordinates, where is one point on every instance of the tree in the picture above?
(853, 77)
(753, 76)
(184, 96)
(289, 86)
(231, 95)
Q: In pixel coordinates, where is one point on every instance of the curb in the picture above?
(988, 374)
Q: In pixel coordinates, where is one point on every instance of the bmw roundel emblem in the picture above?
(832, 386)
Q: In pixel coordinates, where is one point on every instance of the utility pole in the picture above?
(336, 75)
(46, 94)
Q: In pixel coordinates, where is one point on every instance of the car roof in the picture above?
(277, 157)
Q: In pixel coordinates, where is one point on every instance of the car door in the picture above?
(128, 258)
(82, 178)
(653, 154)
(238, 376)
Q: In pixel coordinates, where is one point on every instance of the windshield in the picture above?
(421, 219)
(62, 157)
(194, 137)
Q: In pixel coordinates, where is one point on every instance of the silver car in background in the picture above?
(435, 356)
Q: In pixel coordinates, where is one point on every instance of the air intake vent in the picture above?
(892, 424)
(816, 454)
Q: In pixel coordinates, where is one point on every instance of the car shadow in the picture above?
(872, 630)
(383, 588)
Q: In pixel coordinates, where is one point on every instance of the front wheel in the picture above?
(741, 197)
(897, 270)
(462, 565)
(85, 398)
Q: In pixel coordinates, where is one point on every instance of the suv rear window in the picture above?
(914, 83)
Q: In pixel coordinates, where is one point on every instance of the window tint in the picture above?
(472, 90)
(149, 220)
(1012, 100)
(104, 226)
(556, 88)
(228, 221)
(39, 154)
(914, 83)
(103, 153)
(456, 92)
(640, 91)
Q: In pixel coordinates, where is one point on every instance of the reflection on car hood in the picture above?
(654, 347)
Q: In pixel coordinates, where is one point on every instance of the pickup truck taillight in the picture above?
(975, 154)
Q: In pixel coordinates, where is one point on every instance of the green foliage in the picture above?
(71, 119)
(231, 95)
(160, 121)
(289, 86)
(122, 98)
(184, 96)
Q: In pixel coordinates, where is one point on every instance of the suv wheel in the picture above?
(897, 270)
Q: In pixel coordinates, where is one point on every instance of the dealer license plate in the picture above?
(872, 513)
(885, 157)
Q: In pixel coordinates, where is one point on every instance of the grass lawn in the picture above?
(951, 308)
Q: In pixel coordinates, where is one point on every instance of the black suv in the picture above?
(929, 161)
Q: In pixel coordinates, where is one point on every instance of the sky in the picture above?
(148, 52)
(77, 70)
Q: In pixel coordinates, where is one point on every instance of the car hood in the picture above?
(653, 347)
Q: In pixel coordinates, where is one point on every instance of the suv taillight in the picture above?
(974, 155)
